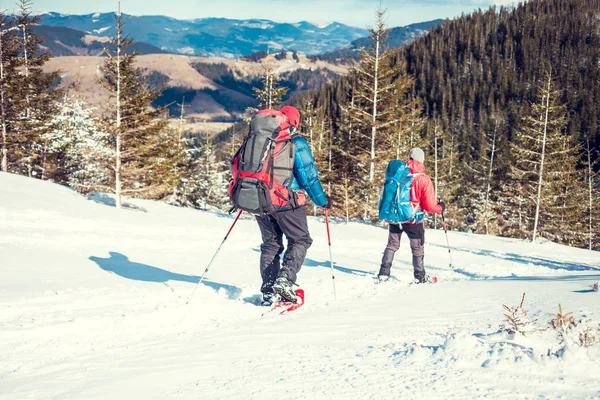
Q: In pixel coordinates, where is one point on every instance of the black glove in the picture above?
(328, 203)
(443, 205)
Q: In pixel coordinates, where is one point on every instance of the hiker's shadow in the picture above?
(120, 264)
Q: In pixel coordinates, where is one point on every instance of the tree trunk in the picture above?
(489, 183)
(590, 192)
(329, 169)
(2, 106)
(118, 144)
(374, 120)
(346, 198)
(26, 68)
(435, 143)
(541, 179)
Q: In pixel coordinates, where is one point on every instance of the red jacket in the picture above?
(422, 192)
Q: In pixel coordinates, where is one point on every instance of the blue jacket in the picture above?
(306, 175)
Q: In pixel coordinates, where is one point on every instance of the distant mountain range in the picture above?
(214, 37)
(397, 38)
(63, 41)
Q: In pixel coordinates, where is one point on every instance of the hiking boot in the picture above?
(383, 278)
(384, 270)
(283, 287)
(269, 299)
(425, 279)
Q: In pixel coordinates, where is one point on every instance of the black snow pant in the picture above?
(294, 226)
(416, 235)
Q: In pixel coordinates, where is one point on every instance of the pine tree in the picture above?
(379, 105)
(145, 148)
(544, 172)
(271, 93)
(593, 199)
(8, 72)
(32, 97)
(81, 149)
(206, 182)
(478, 178)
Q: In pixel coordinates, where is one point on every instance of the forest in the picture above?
(505, 103)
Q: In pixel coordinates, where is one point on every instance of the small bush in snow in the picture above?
(562, 321)
(580, 332)
(588, 336)
(517, 319)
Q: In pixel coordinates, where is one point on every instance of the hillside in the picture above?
(220, 97)
(398, 37)
(215, 37)
(93, 305)
(64, 41)
(479, 79)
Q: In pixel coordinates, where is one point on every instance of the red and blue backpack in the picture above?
(262, 168)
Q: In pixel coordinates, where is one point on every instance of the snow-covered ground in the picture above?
(93, 305)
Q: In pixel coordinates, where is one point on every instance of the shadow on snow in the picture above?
(121, 265)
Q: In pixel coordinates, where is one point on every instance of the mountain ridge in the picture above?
(214, 37)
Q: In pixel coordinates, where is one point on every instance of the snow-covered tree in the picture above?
(82, 150)
(205, 182)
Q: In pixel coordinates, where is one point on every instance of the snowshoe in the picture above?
(382, 278)
(426, 279)
(284, 306)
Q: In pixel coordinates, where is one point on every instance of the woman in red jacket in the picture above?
(422, 196)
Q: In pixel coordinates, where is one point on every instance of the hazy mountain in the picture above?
(397, 38)
(63, 41)
(215, 37)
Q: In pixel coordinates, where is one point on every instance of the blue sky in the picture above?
(352, 12)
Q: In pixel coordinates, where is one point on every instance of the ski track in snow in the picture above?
(93, 305)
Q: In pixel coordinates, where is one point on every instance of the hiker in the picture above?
(283, 175)
(422, 198)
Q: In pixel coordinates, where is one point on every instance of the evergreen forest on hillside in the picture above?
(505, 102)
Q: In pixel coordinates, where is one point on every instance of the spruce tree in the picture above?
(271, 93)
(9, 62)
(379, 105)
(33, 97)
(593, 199)
(144, 145)
(81, 149)
(546, 184)
(205, 185)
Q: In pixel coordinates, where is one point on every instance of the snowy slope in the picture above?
(93, 305)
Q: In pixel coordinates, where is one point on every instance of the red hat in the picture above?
(293, 115)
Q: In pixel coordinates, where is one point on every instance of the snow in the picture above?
(258, 24)
(93, 305)
(99, 31)
(96, 15)
(187, 50)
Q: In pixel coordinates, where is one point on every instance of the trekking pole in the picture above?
(215, 256)
(447, 241)
(330, 256)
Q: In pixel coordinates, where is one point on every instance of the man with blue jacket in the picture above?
(292, 222)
